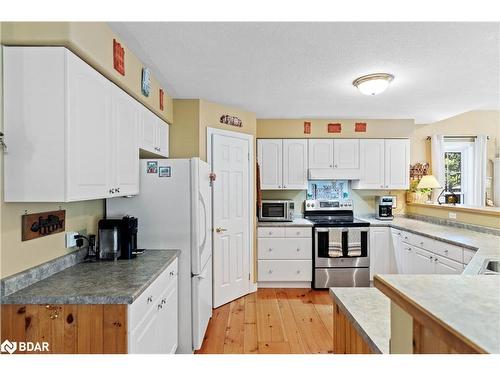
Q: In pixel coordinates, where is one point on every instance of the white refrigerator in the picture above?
(174, 211)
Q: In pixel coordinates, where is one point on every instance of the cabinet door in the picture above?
(372, 164)
(380, 251)
(90, 147)
(146, 337)
(162, 139)
(149, 129)
(320, 153)
(125, 124)
(295, 164)
(270, 157)
(397, 249)
(447, 266)
(346, 153)
(397, 163)
(422, 262)
(168, 327)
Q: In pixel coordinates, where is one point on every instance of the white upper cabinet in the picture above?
(295, 164)
(346, 154)
(270, 157)
(384, 164)
(397, 163)
(283, 163)
(320, 153)
(72, 134)
(372, 163)
(153, 134)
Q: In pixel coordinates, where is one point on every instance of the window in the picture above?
(453, 174)
(458, 173)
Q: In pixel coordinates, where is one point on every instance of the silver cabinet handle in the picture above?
(331, 165)
(117, 190)
(279, 186)
(163, 301)
(335, 166)
(435, 260)
(284, 187)
(160, 306)
(150, 299)
(270, 232)
(446, 251)
(172, 273)
(270, 271)
(111, 191)
(386, 186)
(270, 249)
(422, 243)
(431, 258)
(298, 249)
(298, 271)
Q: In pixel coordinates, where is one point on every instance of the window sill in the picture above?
(494, 211)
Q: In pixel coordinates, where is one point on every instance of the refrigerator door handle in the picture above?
(204, 221)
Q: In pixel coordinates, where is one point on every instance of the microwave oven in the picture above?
(276, 210)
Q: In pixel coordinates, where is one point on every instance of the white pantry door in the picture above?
(230, 163)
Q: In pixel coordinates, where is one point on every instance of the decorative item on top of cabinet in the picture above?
(307, 127)
(360, 127)
(334, 128)
(231, 120)
(146, 81)
(162, 94)
(118, 57)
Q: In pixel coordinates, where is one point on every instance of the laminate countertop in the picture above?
(102, 282)
(369, 312)
(468, 306)
(299, 222)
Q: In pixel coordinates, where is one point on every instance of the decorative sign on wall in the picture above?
(307, 127)
(334, 128)
(43, 224)
(146, 81)
(231, 120)
(161, 99)
(360, 127)
(118, 57)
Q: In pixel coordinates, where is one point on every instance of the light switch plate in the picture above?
(452, 215)
(70, 239)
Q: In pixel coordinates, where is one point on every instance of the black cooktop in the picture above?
(337, 221)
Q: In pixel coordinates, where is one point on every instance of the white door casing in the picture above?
(230, 159)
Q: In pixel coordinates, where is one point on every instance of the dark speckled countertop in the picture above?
(104, 282)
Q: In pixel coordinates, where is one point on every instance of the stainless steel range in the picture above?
(340, 244)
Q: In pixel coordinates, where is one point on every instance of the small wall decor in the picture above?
(307, 127)
(161, 99)
(360, 127)
(146, 81)
(42, 224)
(231, 120)
(151, 167)
(118, 57)
(418, 170)
(334, 128)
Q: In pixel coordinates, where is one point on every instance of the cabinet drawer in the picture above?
(285, 270)
(418, 240)
(468, 254)
(304, 232)
(271, 232)
(285, 248)
(149, 298)
(449, 251)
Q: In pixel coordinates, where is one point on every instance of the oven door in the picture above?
(341, 247)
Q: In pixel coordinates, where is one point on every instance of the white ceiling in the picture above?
(305, 70)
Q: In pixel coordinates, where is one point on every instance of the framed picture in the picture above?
(164, 172)
(146, 81)
(152, 167)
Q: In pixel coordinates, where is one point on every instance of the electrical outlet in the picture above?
(70, 239)
(452, 215)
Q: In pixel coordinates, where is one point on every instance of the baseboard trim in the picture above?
(284, 284)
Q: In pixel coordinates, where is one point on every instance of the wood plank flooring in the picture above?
(272, 321)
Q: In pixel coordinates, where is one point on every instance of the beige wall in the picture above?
(294, 128)
(93, 42)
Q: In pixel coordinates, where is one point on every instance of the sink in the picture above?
(490, 267)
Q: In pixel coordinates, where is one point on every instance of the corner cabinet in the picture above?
(283, 164)
(384, 164)
(72, 133)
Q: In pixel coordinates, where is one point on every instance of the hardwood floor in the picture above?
(272, 321)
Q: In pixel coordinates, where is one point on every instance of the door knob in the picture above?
(219, 229)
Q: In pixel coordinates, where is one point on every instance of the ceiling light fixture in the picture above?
(373, 84)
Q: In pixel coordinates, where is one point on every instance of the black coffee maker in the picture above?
(117, 238)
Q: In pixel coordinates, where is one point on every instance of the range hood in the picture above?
(333, 174)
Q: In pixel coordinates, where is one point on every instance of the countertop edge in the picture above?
(369, 341)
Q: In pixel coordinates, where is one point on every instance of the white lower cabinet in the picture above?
(382, 254)
(285, 255)
(153, 317)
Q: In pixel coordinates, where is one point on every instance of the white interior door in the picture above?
(230, 163)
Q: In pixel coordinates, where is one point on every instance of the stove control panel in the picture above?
(328, 205)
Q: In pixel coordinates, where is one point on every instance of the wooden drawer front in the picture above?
(271, 232)
(285, 270)
(285, 248)
(449, 251)
(420, 241)
(294, 232)
(149, 298)
(468, 254)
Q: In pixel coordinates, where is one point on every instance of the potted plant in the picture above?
(415, 195)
